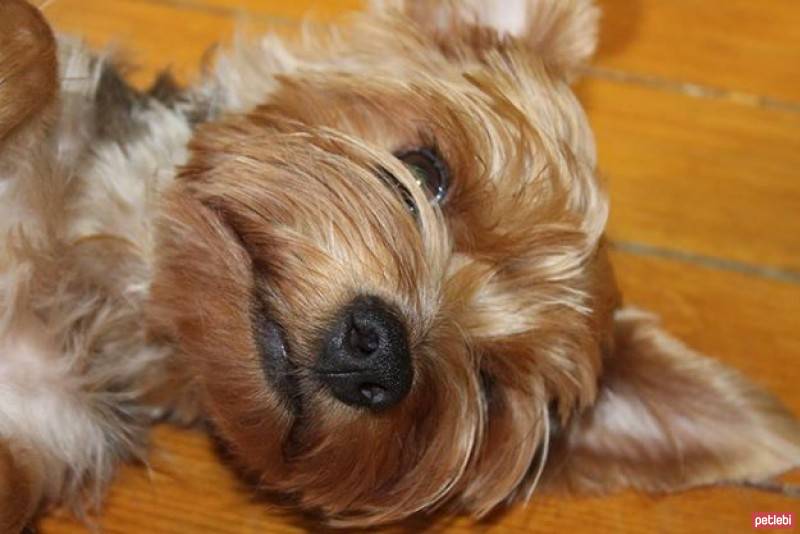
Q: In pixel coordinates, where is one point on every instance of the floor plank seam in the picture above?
(693, 90)
(771, 273)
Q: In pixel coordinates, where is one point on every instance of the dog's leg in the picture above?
(51, 439)
(28, 81)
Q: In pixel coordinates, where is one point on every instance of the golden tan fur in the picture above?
(27, 65)
(528, 373)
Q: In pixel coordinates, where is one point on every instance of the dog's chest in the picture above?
(123, 180)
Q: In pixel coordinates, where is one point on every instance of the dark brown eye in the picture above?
(429, 170)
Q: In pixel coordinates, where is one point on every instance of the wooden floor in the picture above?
(696, 105)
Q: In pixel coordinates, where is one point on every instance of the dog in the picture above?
(372, 258)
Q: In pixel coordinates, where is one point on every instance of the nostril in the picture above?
(364, 338)
(374, 394)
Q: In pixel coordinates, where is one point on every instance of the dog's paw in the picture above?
(28, 65)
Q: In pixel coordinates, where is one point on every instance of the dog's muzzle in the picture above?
(366, 361)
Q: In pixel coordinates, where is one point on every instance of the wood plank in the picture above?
(747, 322)
(156, 35)
(292, 12)
(712, 177)
(740, 45)
(149, 35)
(200, 496)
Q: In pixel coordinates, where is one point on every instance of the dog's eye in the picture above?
(405, 194)
(429, 170)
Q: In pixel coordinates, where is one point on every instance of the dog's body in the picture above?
(76, 361)
(128, 295)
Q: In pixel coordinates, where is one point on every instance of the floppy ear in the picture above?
(667, 418)
(563, 32)
(28, 66)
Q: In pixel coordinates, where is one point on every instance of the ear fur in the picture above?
(563, 32)
(667, 418)
(28, 65)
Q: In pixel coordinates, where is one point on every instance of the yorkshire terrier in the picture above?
(372, 258)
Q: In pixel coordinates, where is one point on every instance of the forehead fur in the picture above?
(390, 47)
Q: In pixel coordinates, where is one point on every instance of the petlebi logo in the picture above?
(773, 520)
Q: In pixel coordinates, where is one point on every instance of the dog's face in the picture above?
(389, 279)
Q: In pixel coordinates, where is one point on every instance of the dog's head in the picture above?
(390, 284)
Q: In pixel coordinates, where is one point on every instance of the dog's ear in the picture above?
(667, 418)
(28, 66)
(563, 32)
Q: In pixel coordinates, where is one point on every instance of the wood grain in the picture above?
(151, 36)
(278, 9)
(739, 45)
(743, 46)
(707, 176)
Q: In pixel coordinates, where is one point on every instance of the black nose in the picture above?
(366, 361)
